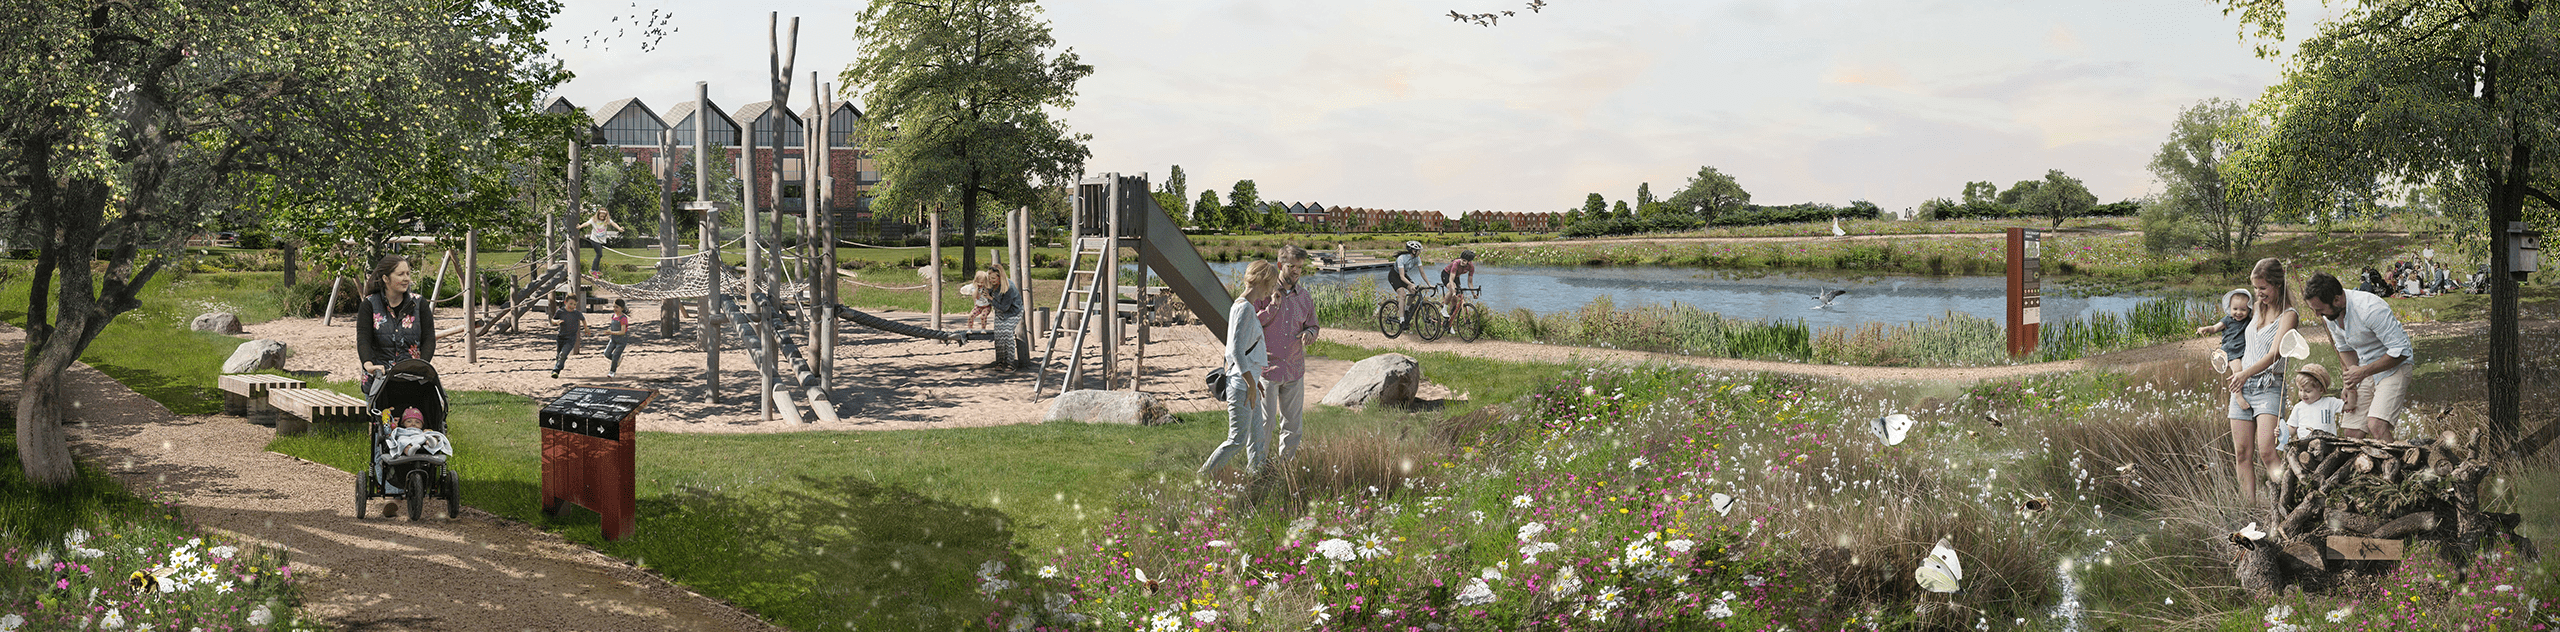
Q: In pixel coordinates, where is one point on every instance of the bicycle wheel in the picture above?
(1433, 322)
(1390, 318)
(1470, 322)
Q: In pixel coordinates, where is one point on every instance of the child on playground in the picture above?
(617, 338)
(981, 292)
(2234, 329)
(566, 310)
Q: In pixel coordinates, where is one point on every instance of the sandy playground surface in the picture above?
(883, 381)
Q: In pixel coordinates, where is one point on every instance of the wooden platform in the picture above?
(1337, 263)
(317, 405)
(242, 389)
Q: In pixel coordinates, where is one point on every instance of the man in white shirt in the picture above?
(2373, 352)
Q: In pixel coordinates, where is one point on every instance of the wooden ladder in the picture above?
(1083, 299)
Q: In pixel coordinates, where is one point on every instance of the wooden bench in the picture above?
(241, 390)
(317, 405)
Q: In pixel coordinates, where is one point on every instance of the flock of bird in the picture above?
(1489, 19)
(653, 28)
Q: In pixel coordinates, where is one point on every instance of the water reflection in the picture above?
(1888, 299)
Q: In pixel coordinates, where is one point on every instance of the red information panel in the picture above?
(588, 457)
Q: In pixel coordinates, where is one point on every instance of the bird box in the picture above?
(2524, 248)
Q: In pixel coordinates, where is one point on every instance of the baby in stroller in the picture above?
(409, 438)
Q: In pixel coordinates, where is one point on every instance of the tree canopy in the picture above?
(961, 94)
(133, 125)
(1710, 194)
(2202, 199)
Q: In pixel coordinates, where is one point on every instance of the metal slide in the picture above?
(1171, 256)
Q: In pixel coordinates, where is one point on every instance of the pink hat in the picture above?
(413, 413)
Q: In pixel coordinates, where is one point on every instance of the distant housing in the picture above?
(642, 133)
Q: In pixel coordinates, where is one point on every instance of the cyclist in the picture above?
(1463, 266)
(1406, 277)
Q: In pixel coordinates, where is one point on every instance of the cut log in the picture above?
(2413, 456)
(2406, 526)
(2364, 463)
(2391, 470)
(2352, 522)
(2304, 515)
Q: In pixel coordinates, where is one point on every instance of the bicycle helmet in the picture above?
(1469, 255)
(1413, 246)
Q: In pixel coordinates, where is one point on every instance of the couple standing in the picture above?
(1268, 328)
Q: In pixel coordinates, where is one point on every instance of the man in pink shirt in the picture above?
(1288, 324)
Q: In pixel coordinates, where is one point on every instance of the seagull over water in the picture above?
(1823, 300)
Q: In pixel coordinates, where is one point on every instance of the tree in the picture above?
(2059, 197)
(1710, 194)
(2421, 92)
(962, 92)
(1595, 207)
(1244, 206)
(2196, 166)
(1171, 194)
(2017, 193)
(1205, 213)
(131, 123)
(1620, 210)
(1983, 192)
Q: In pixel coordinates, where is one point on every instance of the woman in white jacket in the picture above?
(1247, 430)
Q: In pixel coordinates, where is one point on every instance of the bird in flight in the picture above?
(1823, 300)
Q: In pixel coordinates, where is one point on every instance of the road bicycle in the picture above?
(1394, 315)
(1469, 319)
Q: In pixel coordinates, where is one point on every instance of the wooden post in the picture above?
(569, 241)
(933, 263)
(442, 264)
(710, 236)
(815, 202)
(1110, 290)
(755, 264)
(329, 306)
(471, 296)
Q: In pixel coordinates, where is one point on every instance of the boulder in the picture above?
(218, 322)
(255, 355)
(1109, 407)
(1386, 378)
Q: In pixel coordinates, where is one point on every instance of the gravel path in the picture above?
(478, 572)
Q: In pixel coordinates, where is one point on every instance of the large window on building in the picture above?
(791, 131)
(842, 125)
(723, 134)
(634, 127)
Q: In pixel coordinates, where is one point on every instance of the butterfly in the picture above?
(1724, 503)
(2252, 533)
(1994, 418)
(1891, 428)
(1142, 578)
(1940, 571)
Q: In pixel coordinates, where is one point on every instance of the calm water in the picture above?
(1885, 299)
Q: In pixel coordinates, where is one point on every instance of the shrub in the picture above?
(308, 299)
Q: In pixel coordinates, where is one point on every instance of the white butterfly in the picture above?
(1724, 503)
(1891, 428)
(1940, 571)
(2251, 532)
(1142, 578)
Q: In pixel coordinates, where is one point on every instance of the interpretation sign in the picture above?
(588, 454)
(2026, 300)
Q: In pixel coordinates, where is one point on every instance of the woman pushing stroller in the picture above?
(393, 324)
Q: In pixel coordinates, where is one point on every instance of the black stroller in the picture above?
(407, 384)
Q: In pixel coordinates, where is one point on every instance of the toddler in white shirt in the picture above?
(2316, 410)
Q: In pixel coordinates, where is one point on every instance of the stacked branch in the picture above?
(2329, 486)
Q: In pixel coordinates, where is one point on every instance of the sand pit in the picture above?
(883, 381)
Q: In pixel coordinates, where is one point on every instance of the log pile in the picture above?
(2347, 505)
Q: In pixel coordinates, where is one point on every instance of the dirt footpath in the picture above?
(475, 573)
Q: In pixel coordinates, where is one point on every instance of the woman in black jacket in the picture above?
(393, 324)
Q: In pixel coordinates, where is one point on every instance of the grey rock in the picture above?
(218, 322)
(1386, 378)
(1109, 407)
(255, 355)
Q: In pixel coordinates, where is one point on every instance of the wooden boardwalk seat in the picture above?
(241, 389)
(317, 405)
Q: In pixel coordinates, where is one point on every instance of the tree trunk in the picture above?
(969, 226)
(291, 265)
(2506, 205)
(43, 451)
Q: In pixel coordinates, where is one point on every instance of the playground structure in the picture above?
(1112, 212)
(786, 300)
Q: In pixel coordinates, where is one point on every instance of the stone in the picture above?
(1386, 378)
(255, 355)
(217, 322)
(1109, 407)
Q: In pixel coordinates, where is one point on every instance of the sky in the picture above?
(1391, 104)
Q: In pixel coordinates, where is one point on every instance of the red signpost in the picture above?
(2025, 298)
(588, 455)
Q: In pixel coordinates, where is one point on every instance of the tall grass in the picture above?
(1955, 339)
